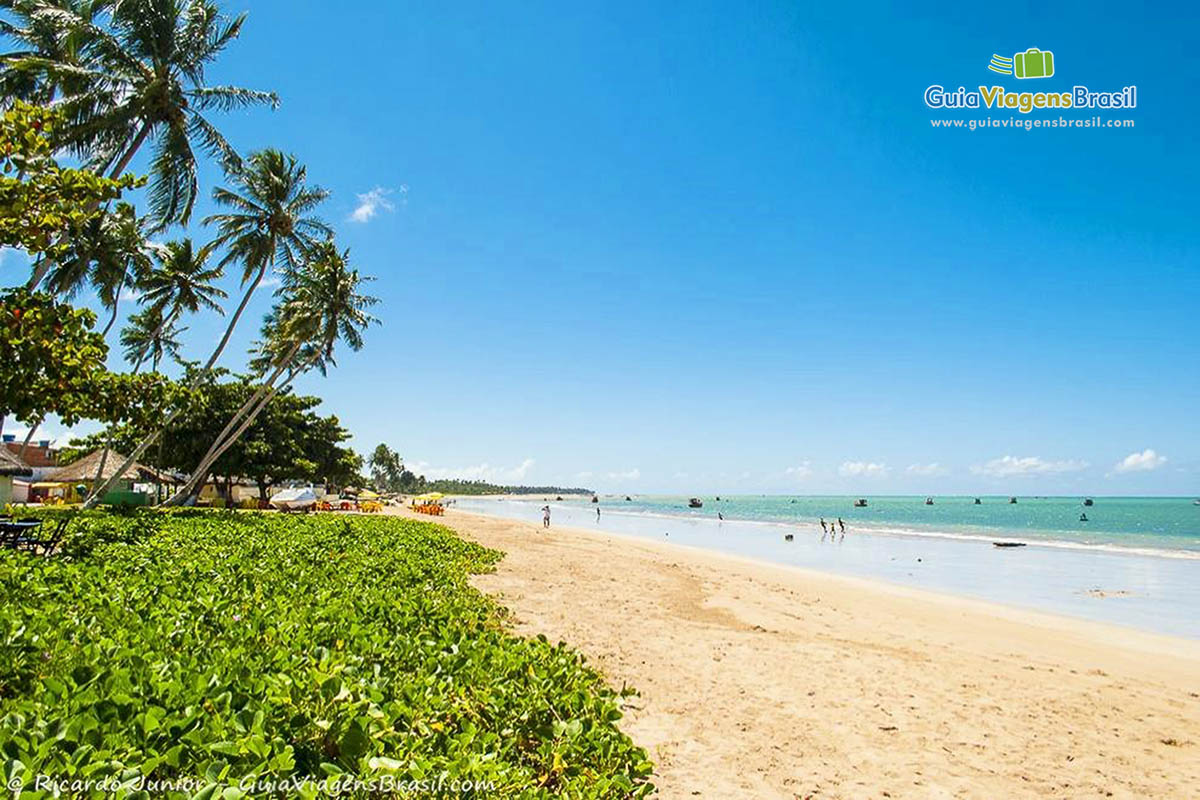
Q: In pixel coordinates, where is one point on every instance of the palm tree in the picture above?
(270, 222)
(112, 254)
(44, 30)
(150, 335)
(182, 281)
(322, 304)
(139, 79)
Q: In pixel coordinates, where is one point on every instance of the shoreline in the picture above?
(1135, 591)
(767, 680)
(1149, 642)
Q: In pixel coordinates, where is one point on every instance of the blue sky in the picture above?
(643, 248)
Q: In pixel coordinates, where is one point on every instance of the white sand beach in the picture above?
(759, 680)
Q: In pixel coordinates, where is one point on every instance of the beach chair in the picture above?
(29, 535)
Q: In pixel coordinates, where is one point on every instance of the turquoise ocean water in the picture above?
(1135, 562)
(1166, 525)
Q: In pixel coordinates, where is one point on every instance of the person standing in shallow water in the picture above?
(842, 525)
(545, 516)
(597, 513)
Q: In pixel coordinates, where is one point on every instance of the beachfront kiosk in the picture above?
(430, 503)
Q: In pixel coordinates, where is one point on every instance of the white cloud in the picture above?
(859, 469)
(583, 476)
(1009, 466)
(800, 472)
(926, 470)
(1140, 462)
(628, 475)
(476, 472)
(374, 201)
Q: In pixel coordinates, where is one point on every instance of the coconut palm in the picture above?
(111, 254)
(321, 304)
(182, 281)
(150, 336)
(45, 30)
(270, 222)
(140, 78)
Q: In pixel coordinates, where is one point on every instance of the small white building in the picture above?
(10, 467)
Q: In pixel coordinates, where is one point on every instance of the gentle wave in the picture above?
(861, 528)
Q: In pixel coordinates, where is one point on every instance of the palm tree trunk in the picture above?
(29, 437)
(250, 406)
(262, 271)
(149, 440)
(40, 268)
(113, 317)
(162, 323)
(133, 148)
(205, 465)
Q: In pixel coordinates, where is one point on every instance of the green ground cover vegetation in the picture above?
(228, 647)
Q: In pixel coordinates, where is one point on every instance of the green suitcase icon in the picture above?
(1033, 63)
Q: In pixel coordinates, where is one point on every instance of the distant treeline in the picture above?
(452, 486)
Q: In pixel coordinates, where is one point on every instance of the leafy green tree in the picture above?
(287, 441)
(54, 364)
(45, 208)
(53, 360)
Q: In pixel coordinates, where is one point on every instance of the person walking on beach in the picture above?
(842, 525)
(545, 516)
(720, 517)
(597, 513)
(822, 525)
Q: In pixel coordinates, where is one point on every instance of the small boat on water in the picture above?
(1012, 501)
(595, 499)
(860, 503)
(628, 499)
(1087, 501)
(928, 501)
(1008, 544)
(787, 537)
(977, 502)
(695, 502)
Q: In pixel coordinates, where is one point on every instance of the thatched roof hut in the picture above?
(84, 470)
(11, 465)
